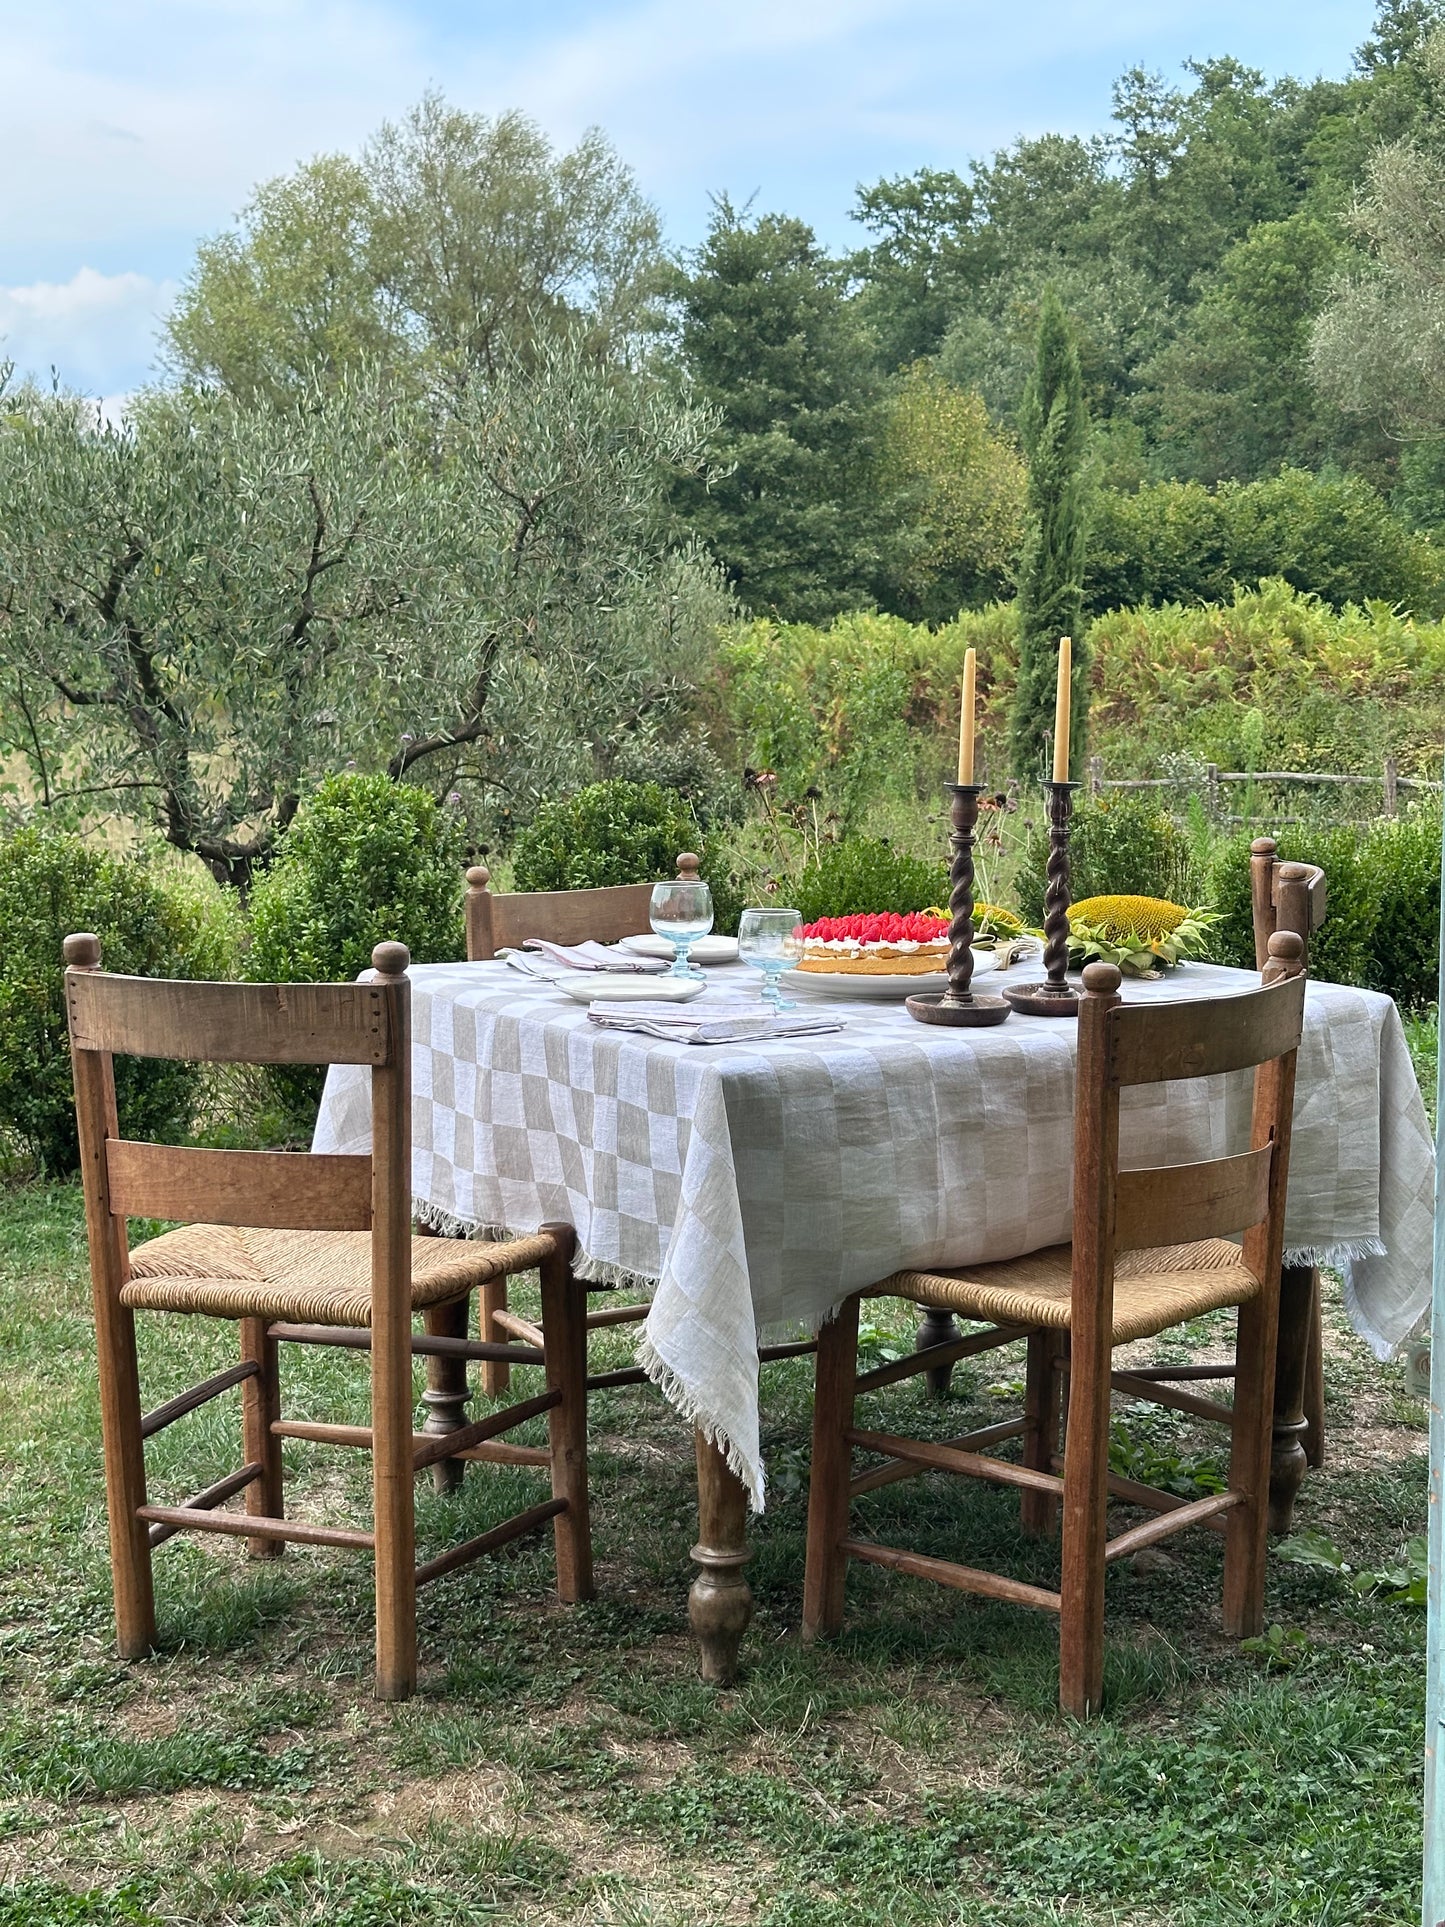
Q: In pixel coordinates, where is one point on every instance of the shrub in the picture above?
(365, 861)
(1403, 860)
(151, 923)
(1330, 536)
(1123, 844)
(688, 765)
(620, 832)
(614, 832)
(860, 875)
(1342, 950)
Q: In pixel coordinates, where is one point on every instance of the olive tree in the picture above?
(207, 608)
(452, 243)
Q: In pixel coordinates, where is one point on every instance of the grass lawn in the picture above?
(567, 1766)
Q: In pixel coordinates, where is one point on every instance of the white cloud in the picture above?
(90, 328)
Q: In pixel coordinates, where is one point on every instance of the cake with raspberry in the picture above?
(880, 945)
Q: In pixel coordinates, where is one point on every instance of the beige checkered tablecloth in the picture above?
(755, 1185)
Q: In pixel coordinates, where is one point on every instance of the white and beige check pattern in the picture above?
(755, 1185)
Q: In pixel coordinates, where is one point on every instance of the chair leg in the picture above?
(260, 1408)
(125, 1481)
(394, 1508)
(1086, 1498)
(1039, 1511)
(827, 1567)
(496, 1372)
(1314, 1403)
(1246, 1527)
(445, 1397)
(564, 1322)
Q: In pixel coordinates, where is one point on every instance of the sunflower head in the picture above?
(988, 918)
(1144, 919)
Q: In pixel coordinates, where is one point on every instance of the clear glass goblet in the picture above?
(681, 911)
(766, 940)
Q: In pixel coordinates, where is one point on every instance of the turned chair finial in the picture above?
(1263, 846)
(478, 877)
(82, 951)
(1102, 979)
(688, 866)
(390, 959)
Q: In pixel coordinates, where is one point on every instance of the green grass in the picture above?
(568, 1767)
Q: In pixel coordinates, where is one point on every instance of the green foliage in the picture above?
(860, 875)
(969, 486)
(366, 861)
(614, 832)
(686, 763)
(860, 709)
(209, 609)
(1054, 424)
(454, 241)
(1403, 1581)
(151, 923)
(1134, 1454)
(797, 512)
(1382, 929)
(1334, 537)
(1124, 844)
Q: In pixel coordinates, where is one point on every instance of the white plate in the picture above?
(879, 989)
(628, 987)
(707, 950)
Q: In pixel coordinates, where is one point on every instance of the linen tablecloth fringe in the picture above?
(591, 1271)
(675, 1390)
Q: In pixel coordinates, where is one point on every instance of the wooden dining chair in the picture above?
(1114, 1284)
(298, 1248)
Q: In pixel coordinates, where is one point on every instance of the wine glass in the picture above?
(766, 940)
(681, 911)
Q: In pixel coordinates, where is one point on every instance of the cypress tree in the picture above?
(1054, 426)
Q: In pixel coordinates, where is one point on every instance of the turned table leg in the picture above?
(936, 1328)
(720, 1603)
(1298, 1286)
(445, 1397)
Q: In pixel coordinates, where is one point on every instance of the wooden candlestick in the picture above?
(1054, 997)
(957, 1004)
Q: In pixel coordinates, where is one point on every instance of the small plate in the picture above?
(707, 950)
(880, 989)
(628, 987)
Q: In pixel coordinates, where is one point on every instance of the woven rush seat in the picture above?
(313, 1277)
(1153, 1290)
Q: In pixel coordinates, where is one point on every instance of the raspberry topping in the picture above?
(877, 927)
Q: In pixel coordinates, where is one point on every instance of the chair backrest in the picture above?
(1283, 896)
(1123, 1045)
(363, 1023)
(501, 921)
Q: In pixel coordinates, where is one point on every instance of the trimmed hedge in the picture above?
(1119, 845)
(151, 923)
(365, 862)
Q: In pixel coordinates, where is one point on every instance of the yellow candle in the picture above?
(1061, 711)
(965, 721)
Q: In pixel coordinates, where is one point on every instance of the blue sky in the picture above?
(133, 130)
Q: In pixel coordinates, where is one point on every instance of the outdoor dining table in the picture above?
(752, 1186)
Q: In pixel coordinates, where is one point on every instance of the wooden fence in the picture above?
(1389, 783)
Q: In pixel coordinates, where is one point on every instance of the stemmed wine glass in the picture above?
(766, 940)
(681, 911)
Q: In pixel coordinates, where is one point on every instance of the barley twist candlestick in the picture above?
(958, 1005)
(1054, 997)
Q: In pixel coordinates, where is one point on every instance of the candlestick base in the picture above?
(1043, 1000)
(967, 1012)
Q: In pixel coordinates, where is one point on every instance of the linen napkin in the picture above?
(594, 956)
(733, 1023)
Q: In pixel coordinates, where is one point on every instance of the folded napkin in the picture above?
(723, 1024)
(594, 956)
